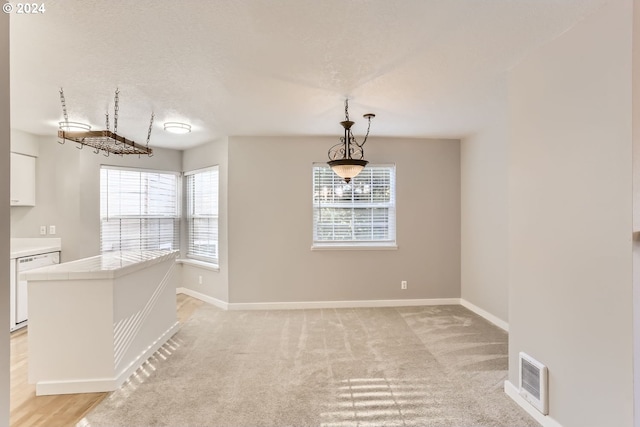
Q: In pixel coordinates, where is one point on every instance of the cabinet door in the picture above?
(23, 180)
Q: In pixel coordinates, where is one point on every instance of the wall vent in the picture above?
(533, 383)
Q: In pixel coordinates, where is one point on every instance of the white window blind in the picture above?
(202, 214)
(355, 214)
(138, 209)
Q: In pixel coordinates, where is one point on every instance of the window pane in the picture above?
(360, 211)
(138, 210)
(202, 215)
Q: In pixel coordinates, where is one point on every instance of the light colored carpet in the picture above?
(412, 366)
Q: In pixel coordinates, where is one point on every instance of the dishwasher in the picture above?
(21, 300)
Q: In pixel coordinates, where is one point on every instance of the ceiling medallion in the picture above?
(347, 157)
(101, 140)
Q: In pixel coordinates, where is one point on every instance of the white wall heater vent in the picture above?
(533, 383)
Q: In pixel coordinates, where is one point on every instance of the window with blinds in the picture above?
(139, 209)
(202, 214)
(360, 213)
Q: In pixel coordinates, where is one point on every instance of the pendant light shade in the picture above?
(347, 168)
(347, 157)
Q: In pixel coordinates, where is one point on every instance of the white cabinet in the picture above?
(23, 180)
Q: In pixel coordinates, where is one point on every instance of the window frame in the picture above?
(188, 217)
(176, 218)
(386, 244)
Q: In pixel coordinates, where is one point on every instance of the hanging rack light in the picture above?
(101, 140)
(347, 157)
(73, 126)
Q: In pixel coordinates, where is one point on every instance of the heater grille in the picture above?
(533, 383)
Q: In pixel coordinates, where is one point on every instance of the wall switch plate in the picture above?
(52, 229)
(43, 230)
(403, 284)
(200, 280)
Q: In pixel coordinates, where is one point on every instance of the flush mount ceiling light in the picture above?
(177, 127)
(347, 157)
(101, 140)
(73, 126)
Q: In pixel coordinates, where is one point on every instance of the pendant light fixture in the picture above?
(347, 157)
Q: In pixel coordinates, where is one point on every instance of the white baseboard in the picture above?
(483, 313)
(544, 420)
(202, 297)
(104, 384)
(341, 304)
(315, 304)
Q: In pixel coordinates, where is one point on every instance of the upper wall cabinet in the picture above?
(23, 180)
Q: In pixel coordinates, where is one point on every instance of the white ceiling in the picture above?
(426, 68)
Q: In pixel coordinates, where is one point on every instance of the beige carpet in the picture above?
(414, 366)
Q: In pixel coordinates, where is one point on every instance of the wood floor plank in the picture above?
(29, 410)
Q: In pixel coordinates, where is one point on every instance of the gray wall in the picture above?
(5, 125)
(214, 283)
(270, 224)
(484, 213)
(68, 193)
(570, 204)
(636, 209)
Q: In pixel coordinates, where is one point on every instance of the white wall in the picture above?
(24, 143)
(570, 295)
(483, 160)
(68, 193)
(636, 208)
(270, 224)
(5, 142)
(214, 283)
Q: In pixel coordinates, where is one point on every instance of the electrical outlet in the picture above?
(52, 229)
(200, 280)
(43, 230)
(403, 284)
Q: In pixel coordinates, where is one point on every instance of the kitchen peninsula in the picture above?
(94, 321)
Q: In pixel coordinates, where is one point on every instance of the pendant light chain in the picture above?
(115, 112)
(64, 106)
(150, 127)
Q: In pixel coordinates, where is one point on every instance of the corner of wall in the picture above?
(5, 147)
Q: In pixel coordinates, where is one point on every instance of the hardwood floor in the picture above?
(29, 410)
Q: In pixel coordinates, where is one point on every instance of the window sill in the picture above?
(354, 247)
(200, 264)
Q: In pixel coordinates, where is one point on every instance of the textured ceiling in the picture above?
(426, 68)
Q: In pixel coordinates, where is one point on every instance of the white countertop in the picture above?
(21, 247)
(106, 266)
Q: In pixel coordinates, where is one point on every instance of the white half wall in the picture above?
(570, 222)
(5, 144)
(270, 224)
(484, 226)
